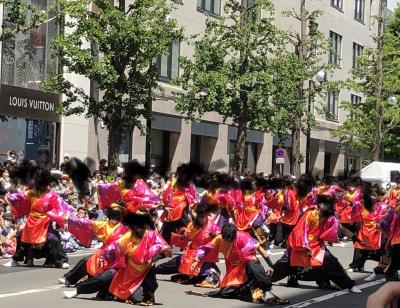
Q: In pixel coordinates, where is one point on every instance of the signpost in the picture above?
(280, 159)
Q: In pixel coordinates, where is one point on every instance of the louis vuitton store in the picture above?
(29, 124)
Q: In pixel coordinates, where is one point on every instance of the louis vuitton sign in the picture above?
(27, 103)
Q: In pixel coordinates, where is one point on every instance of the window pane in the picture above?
(208, 5)
(164, 66)
(217, 7)
(175, 59)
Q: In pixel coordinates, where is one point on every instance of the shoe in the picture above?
(355, 289)
(63, 281)
(11, 263)
(370, 277)
(271, 246)
(65, 265)
(6, 256)
(351, 270)
(30, 263)
(293, 282)
(70, 294)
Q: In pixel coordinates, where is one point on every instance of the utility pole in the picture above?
(377, 153)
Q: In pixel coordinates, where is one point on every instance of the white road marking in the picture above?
(332, 295)
(31, 291)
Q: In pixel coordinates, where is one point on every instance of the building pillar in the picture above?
(180, 146)
(264, 162)
(220, 157)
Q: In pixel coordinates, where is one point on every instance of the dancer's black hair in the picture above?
(201, 210)
(23, 173)
(247, 184)
(114, 213)
(326, 204)
(80, 175)
(185, 174)
(304, 185)
(138, 223)
(41, 180)
(228, 232)
(132, 171)
(368, 203)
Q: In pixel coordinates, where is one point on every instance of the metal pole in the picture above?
(149, 109)
(308, 135)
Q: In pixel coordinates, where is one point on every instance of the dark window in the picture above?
(332, 106)
(336, 48)
(359, 10)
(168, 64)
(357, 51)
(213, 7)
(327, 163)
(355, 101)
(337, 4)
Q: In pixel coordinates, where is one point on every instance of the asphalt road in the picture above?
(23, 287)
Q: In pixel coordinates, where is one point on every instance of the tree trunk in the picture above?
(377, 142)
(295, 161)
(114, 144)
(241, 141)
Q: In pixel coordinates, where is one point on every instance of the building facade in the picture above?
(349, 25)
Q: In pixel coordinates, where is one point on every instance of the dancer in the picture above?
(40, 205)
(178, 199)
(132, 189)
(390, 224)
(307, 257)
(369, 236)
(245, 277)
(200, 232)
(106, 231)
(136, 282)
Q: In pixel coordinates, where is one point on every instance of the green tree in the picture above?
(377, 78)
(297, 90)
(21, 16)
(231, 71)
(113, 46)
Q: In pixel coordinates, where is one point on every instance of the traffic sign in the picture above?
(280, 156)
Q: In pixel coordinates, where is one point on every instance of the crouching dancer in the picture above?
(136, 283)
(245, 277)
(307, 258)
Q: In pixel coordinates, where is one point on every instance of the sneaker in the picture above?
(351, 270)
(11, 263)
(65, 265)
(370, 277)
(6, 256)
(63, 281)
(70, 294)
(355, 289)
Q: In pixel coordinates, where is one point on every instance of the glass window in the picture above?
(355, 100)
(213, 7)
(359, 10)
(168, 65)
(357, 51)
(337, 4)
(31, 139)
(332, 106)
(26, 59)
(336, 48)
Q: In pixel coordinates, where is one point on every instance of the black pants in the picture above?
(147, 289)
(100, 283)
(286, 230)
(170, 267)
(360, 256)
(391, 272)
(331, 270)
(77, 272)
(257, 276)
(257, 279)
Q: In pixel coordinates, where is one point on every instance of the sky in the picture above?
(392, 4)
